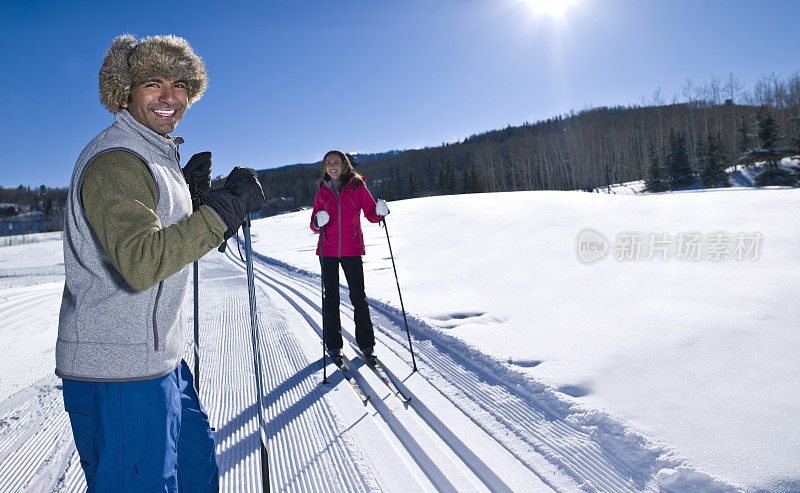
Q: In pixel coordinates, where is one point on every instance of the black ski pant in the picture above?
(331, 321)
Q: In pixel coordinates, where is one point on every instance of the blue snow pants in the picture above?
(148, 436)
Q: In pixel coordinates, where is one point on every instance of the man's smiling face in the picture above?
(158, 104)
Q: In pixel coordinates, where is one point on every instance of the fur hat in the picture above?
(130, 62)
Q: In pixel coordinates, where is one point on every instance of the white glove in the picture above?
(381, 208)
(321, 218)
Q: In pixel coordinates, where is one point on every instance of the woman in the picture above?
(341, 197)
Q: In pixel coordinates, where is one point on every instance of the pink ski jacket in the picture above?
(342, 236)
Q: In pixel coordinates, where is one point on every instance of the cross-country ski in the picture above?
(374, 364)
(345, 367)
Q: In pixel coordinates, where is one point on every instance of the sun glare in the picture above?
(553, 8)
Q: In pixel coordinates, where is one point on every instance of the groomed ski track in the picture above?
(496, 434)
(468, 427)
(386, 443)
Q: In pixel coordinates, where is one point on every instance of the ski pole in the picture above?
(410, 348)
(262, 428)
(322, 307)
(196, 269)
(197, 189)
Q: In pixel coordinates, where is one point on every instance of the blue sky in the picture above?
(291, 79)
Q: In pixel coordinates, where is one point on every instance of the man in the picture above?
(129, 236)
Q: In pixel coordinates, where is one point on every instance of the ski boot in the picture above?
(336, 356)
(369, 355)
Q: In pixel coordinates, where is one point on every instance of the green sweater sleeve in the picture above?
(119, 196)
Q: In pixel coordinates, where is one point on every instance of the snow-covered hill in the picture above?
(738, 176)
(698, 354)
(566, 341)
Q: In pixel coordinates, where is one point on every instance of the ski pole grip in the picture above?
(245, 224)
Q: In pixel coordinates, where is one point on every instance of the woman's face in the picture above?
(333, 166)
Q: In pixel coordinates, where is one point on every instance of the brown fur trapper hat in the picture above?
(130, 62)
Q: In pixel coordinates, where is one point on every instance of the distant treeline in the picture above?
(692, 137)
(31, 210)
(579, 151)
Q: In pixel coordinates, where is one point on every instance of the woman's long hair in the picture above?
(347, 170)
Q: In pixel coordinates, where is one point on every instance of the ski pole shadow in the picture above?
(236, 429)
(470, 458)
(303, 469)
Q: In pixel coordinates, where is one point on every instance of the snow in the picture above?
(698, 355)
(745, 176)
(537, 371)
(31, 259)
(627, 188)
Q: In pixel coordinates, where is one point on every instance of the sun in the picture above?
(552, 8)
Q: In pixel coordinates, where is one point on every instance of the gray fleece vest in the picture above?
(107, 331)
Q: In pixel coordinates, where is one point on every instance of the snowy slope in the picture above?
(36, 446)
(698, 355)
(537, 372)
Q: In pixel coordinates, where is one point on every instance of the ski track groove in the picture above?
(423, 460)
(21, 304)
(8, 433)
(514, 418)
(23, 320)
(584, 457)
(418, 454)
(26, 373)
(302, 436)
(40, 444)
(72, 479)
(543, 430)
(322, 436)
(555, 434)
(305, 454)
(292, 428)
(289, 344)
(35, 436)
(395, 423)
(315, 473)
(31, 456)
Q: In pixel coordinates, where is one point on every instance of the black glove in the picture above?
(242, 194)
(243, 182)
(197, 173)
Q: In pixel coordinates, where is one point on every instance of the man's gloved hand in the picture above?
(381, 208)
(321, 219)
(243, 182)
(197, 173)
(242, 194)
